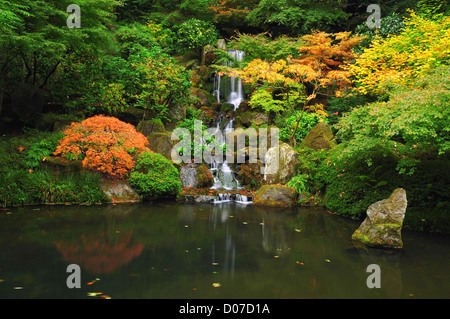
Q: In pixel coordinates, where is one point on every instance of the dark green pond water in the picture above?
(208, 251)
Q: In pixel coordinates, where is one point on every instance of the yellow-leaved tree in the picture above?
(319, 70)
(423, 45)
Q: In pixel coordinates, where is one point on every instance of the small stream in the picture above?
(228, 250)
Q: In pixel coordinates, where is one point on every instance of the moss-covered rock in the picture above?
(119, 192)
(249, 174)
(319, 137)
(161, 142)
(196, 176)
(202, 97)
(383, 225)
(276, 196)
(150, 126)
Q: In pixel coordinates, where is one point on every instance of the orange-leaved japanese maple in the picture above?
(104, 144)
(321, 69)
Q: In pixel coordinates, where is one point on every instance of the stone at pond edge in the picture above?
(276, 196)
(383, 224)
(119, 192)
(281, 163)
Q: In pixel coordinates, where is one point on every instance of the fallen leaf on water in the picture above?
(93, 281)
(105, 296)
(216, 285)
(94, 294)
(298, 230)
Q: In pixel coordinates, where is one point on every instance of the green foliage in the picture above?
(165, 84)
(389, 25)
(12, 16)
(15, 149)
(263, 46)
(155, 177)
(299, 182)
(339, 106)
(43, 148)
(354, 181)
(414, 122)
(34, 51)
(307, 122)
(20, 187)
(298, 16)
(194, 34)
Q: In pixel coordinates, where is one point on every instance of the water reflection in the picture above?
(99, 254)
(166, 250)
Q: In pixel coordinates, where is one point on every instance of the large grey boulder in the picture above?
(383, 224)
(281, 164)
(276, 196)
(196, 176)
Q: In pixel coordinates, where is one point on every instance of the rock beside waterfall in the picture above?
(281, 164)
(383, 224)
(276, 196)
(196, 176)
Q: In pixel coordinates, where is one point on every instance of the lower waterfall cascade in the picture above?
(224, 177)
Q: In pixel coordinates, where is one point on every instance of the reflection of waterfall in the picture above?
(228, 89)
(227, 261)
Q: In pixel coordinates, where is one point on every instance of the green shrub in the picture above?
(20, 187)
(308, 122)
(154, 177)
(194, 34)
(299, 182)
(355, 180)
(42, 149)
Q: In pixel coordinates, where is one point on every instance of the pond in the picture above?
(183, 251)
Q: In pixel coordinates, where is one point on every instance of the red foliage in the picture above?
(98, 255)
(104, 144)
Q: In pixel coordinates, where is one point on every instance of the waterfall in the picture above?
(224, 177)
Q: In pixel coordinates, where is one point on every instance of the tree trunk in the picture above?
(1, 101)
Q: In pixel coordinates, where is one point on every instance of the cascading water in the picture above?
(224, 177)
